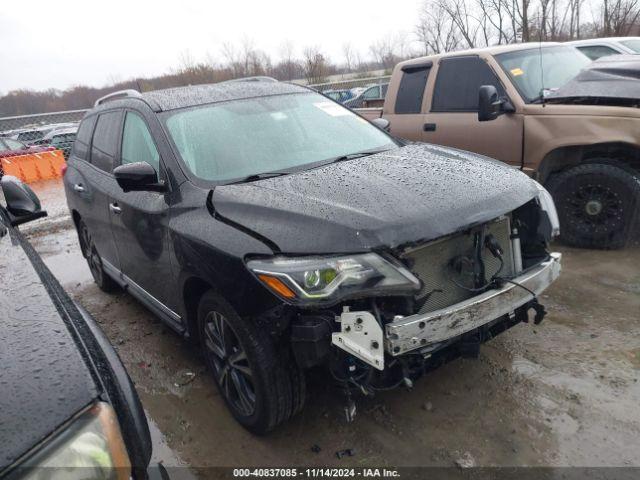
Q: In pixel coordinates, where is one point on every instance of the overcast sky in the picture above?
(61, 43)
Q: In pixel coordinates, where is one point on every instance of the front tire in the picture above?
(597, 204)
(260, 384)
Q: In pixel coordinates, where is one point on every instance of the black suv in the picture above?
(67, 406)
(280, 230)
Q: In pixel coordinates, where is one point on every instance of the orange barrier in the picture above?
(34, 166)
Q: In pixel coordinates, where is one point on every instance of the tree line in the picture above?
(446, 25)
(234, 61)
(442, 26)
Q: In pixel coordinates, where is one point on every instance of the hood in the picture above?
(44, 379)
(415, 193)
(609, 80)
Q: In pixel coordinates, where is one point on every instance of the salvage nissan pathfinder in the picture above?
(280, 231)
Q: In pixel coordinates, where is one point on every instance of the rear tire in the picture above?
(90, 253)
(597, 204)
(260, 383)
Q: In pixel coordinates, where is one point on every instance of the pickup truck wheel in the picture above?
(89, 251)
(260, 387)
(596, 204)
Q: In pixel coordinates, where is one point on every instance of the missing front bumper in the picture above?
(417, 331)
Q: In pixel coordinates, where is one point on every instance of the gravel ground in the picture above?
(564, 393)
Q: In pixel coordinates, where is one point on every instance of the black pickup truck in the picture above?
(67, 406)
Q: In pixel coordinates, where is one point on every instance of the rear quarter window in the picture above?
(594, 52)
(83, 138)
(411, 89)
(105, 140)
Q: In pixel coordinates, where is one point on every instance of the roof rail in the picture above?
(261, 78)
(130, 93)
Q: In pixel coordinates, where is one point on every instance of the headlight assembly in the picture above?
(548, 205)
(328, 280)
(91, 446)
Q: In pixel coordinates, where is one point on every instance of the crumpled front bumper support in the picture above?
(421, 330)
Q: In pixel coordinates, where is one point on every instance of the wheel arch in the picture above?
(75, 216)
(624, 155)
(193, 289)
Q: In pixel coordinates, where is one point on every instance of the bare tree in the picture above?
(288, 67)
(349, 56)
(232, 57)
(461, 14)
(384, 51)
(619, 16)
(436, 31)
(316, 68)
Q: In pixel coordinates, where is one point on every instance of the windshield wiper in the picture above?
(351, 156)
(258, 176)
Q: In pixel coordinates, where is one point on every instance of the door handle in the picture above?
(115, 208)
(429, 127)
(78, 187)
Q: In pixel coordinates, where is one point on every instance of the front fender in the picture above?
(546, 133)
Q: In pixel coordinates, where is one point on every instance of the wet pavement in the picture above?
(563, 393)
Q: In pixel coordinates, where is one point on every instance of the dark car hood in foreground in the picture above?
(43, 379)
(414, 193)
(609, 78)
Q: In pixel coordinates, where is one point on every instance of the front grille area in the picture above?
(431, 264)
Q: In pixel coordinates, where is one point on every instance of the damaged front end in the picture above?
(382, 319)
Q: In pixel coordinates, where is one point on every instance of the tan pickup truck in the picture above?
(572, 124)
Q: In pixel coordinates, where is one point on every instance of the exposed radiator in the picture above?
(431, 264)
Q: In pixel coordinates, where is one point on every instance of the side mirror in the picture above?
(382, 123)
(139, 176)
(23, 204)
(490, 105)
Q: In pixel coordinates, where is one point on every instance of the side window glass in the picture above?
(137, 143)
(594, 52)
(83, 138)
(105, 141)
(411, 90)
(373, 92)
(13, 144)
(459, 80)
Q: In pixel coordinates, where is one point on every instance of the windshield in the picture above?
(240, 138)
(537, 72)
(632, 44)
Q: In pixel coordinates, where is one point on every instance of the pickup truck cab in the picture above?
(572, 124)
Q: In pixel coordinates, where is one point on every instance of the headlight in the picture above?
(90, 447)
(548, 205)
(327, 280)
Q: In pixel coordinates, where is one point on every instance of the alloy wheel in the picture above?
(230, 363)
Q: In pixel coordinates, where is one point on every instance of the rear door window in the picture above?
(105, 140)
(411, 90)
(83, 138)
(458, 82)
(137, 142)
